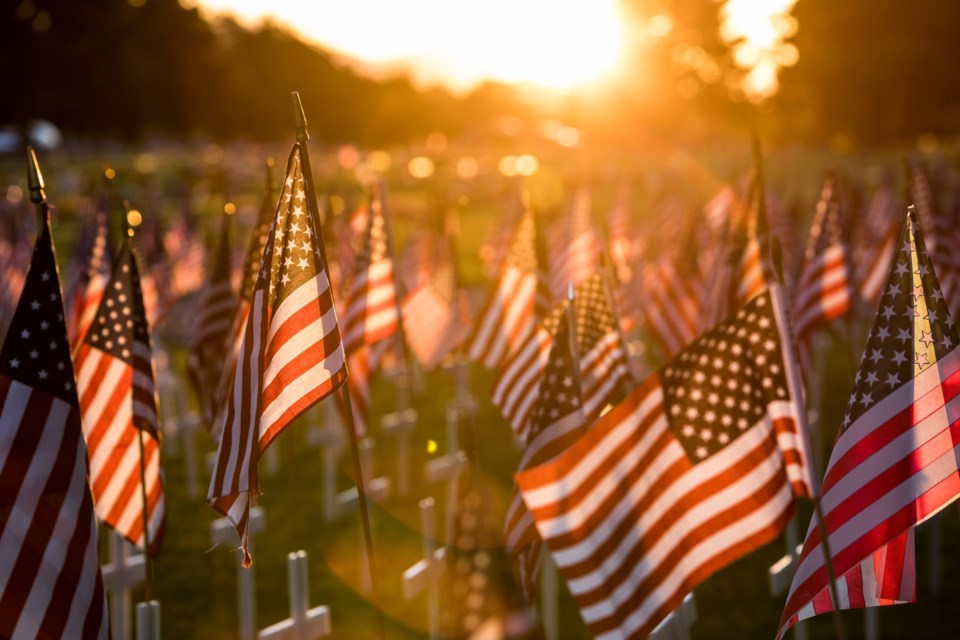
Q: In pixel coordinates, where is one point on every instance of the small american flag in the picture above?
(88, 274)
(574, 246)
(823, 290)
(509, 315)
(115, 380)
(291, 355)
(50, 583)
(217, 306)
(696, 468)
(670, 305)
(894, 464)
(370, 311)
(874, 244)
(603, 358)
(558, 420)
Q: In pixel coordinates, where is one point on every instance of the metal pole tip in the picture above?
(34, 178)
(570, 295)
(299, 118)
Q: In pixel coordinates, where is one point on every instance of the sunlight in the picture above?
(757, 31)
(548, 44)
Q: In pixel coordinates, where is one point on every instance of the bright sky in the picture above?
(552, 43)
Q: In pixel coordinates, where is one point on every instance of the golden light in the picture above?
(336, 205)
(348, 156)
(757, 31)
(379, 161)
(14, 194)
(467, 167)
(550, 44)
(437, 142)
(508, 166)
(145, 163)
(229, 208)
(432, 446)
(109, 173)
(420, 167)
(527, 165)
(134, 218)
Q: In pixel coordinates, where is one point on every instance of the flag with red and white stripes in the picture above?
(895, 462)
(823, 290)
(116, 383)
(875, 242)
(509, 315)
(696, 468)
(574, 246)
(89, 271)
(370, 312)
(50, 582)
(291, 356)
(558, 420)
(603, 358)
(671, 305)
(209, 346)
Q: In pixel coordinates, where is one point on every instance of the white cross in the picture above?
(304, 623)
(124, 572)
(463, 400)
(222, 531)
(781, 573)
(676, 626)
(148, 620)
(448, 466)
(424, 574)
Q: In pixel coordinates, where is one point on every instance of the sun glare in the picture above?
(757, 31)
(557, 45)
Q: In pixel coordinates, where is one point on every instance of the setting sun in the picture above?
(544, 43)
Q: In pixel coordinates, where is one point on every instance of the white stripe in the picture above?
(301, 386)
(307, 337)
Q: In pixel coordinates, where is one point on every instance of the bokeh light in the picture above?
(420, 167)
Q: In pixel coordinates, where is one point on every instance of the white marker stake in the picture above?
(463, 400)
(304, 623)
(222, 531)
(425, 574)
(676, 626)
(124, 572)
(148, 620)
(400, 425)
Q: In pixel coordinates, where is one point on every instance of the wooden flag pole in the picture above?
(148, 556)
(776, 256)
(300, 120)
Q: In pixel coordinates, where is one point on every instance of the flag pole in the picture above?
(775, 254)
(35, 184)
(148, 556)
(300, 121)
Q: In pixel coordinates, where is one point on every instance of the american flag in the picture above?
(603, 358)
(433, 312)
(895, 461)
(574, 246)
(248, 280)
(558, 420)
(89, 271)
(217, 306)
(874, 243)
(823, 290)
(50, 583)
(670, 305)
(116, 383)
(620, 240)
(291, 356)
(370, 311)
(696, 468)
(509, 315)
(12, 256)
(185, 249)
(942, 230)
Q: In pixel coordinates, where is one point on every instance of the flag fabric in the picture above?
(574, 246)
(209, 346)
(895, 460)
(875, 243)
(434, 312)
(823, 291)
(50, 582)
(88, 274)
(291, 356)
(696, 468)
(603, 358)
(941, 228)
(118, 398)
(509, 315)
(670, 305)
(185, 248)
(558, 420)
(620, 240)
(370, 311)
